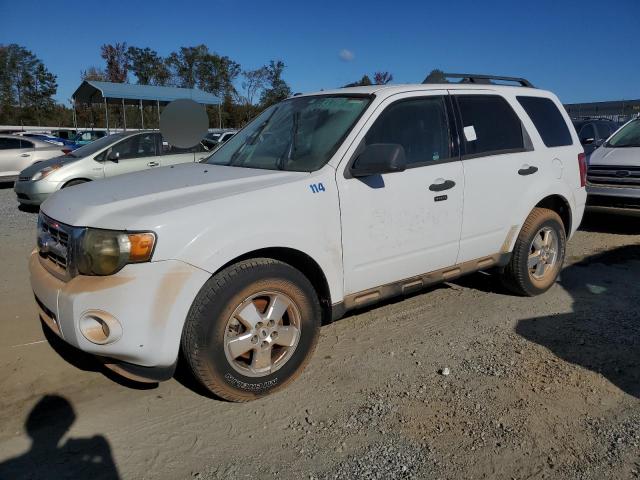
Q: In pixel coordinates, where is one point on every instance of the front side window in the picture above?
(136, 146)
(419, 125)
(490, 125)
(299, 134)
(26, 143)
(628, 136)
(548, 120)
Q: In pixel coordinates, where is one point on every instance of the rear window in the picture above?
(548, 120)
(490, 125)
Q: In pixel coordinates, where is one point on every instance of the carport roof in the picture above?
(91, 91)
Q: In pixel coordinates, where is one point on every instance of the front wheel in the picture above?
(251, 329)
(538, 254)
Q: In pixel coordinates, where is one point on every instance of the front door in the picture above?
(137, 152)
(398, 225)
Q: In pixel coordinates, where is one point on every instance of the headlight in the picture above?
(104, 252)
(45, 171)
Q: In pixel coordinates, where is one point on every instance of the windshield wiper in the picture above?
(288, 154)
(251, 140)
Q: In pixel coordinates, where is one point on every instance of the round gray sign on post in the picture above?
(183, 123)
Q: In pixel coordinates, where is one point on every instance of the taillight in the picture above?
(582, 163)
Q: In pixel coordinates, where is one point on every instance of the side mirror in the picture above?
(379, 158)
(113, 156)
(587, 141)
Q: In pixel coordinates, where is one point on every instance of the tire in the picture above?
(222, 313)
(517, 276)
(71, 183)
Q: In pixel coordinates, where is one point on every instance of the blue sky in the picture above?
(583, 51)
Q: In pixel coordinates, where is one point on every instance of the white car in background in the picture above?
(18, 153)
(322, 204)
(106, 157)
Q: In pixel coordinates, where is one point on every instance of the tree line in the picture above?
(27, 87)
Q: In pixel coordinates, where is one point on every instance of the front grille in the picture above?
(53, 241)
(23, 196)
(616, 176)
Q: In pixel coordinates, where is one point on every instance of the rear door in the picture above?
(13, 156)
(500, 166)
(172, 155)
(135, 153)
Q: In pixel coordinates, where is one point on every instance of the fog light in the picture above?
(100, 327)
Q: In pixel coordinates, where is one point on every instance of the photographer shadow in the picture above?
(602, 333)
(51, 457)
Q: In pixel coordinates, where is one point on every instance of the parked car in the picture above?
(594, 132)
(613, 178)
(107, 157)
(214, 139)
(18, 153)
(50, 139)
(87, 136)
(324, 203)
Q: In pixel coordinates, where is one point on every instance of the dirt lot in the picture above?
(537, 388)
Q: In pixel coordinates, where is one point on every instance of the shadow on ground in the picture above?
(49, 456)
(602, 333)
(89, 363)
(611, 222)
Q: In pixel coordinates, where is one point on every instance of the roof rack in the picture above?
(485, 79)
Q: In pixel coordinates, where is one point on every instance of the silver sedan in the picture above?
(18, 153)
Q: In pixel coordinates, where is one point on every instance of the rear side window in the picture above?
(25, 143)
(490, 125)
(548, 120)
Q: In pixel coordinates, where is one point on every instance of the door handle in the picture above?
(442, 186)
(527, 170)
(152, 164)
(25, 155)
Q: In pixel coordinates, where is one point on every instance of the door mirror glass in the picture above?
(379, 158)
(113, 156)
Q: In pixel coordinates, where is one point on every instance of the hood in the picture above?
(36, 167)
(127, 201)
(620, 157)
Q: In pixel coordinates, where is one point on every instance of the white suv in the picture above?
(324, 203)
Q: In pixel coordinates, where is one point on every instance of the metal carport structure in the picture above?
(92, 92)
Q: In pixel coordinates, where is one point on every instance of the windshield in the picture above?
(99, 144)
(628, 136)
(299, 134)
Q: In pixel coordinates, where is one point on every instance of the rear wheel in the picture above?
(538, 254)
(251, 329)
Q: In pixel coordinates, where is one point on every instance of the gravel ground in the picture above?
(460, 381)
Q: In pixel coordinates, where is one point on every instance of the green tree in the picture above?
(436, 76)
(93, 73)
(184, 64)
(117, 64)
(277, 89)
(363, 82)
(26, 86)
(148, 67)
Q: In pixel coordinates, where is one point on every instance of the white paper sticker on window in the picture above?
(470, 133)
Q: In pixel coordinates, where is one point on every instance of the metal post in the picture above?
(106, 111)
(219, 116)
(158, 107)
(124, 115)
(141, 115)
(75, 119)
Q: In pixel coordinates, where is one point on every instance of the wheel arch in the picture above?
(65, 184)
(300, 261)
(561, 206)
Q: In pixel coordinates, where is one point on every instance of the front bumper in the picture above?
(613, 197)
(34, 193)
(149, 301)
